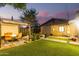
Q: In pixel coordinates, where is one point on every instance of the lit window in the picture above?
(61, 29)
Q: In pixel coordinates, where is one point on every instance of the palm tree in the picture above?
(20, 6)
(29, 16)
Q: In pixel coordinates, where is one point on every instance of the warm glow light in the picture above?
(53, 29)
(24, 26)
(68, 31)
(61, 29)
(77, 23)
(13, 35)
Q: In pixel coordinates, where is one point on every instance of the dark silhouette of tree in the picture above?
(29, 16)
(19, 6)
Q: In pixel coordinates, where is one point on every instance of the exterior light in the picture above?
(24, 26)
(68, 31)
(13, 35)
(77, 23)
(61, 29)
(53, 29)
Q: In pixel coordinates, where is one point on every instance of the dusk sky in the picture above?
(46, 11)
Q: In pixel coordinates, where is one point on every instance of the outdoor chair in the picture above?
(42, 36)
(19, 36)
(8, 37)
(26, 38)
(74, 38)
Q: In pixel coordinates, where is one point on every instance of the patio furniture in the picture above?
(19, 36)
(8, 36)
(74, 38)
(42, 36)
(26, 38)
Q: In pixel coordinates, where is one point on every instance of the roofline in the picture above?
(52, 20)
(3, 20)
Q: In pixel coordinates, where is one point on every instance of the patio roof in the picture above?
(12, 22)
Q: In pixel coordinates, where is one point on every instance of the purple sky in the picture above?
(46, 10)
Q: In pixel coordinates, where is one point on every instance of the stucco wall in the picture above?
(13, 28)
(55, 30)
(46, 30)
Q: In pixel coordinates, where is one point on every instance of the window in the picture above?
(61, 28)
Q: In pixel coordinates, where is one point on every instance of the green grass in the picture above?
(42, 48)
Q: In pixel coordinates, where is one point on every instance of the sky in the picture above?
(46, 11)
(54, 10)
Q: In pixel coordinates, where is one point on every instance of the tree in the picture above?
(29, 16)
(35, 30)
(19, 6)
(36, 27)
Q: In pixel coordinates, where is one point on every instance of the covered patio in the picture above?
(13, 33)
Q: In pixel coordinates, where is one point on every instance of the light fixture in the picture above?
(13, 35)
(24, 26)
(61, 29)
(77, 23)
(68, 31)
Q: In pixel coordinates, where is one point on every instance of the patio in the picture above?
(12, 42)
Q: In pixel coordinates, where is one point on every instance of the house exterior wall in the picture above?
(46, 30)
(69, 30)
(55, 30)
(11, 28)
(71, 27)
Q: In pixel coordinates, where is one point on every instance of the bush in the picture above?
(35, 36)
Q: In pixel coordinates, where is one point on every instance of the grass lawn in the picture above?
(42, 48)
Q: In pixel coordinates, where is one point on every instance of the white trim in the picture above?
(13, 22)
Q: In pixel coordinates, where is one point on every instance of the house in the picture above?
(13, 28)
(61, 27)
(57, 27)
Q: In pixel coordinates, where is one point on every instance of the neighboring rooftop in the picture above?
(56, 21)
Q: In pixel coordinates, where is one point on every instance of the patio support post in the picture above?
(0, 42)
(30, 32)
(67, 17)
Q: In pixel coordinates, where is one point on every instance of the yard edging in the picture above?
(62, 41)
